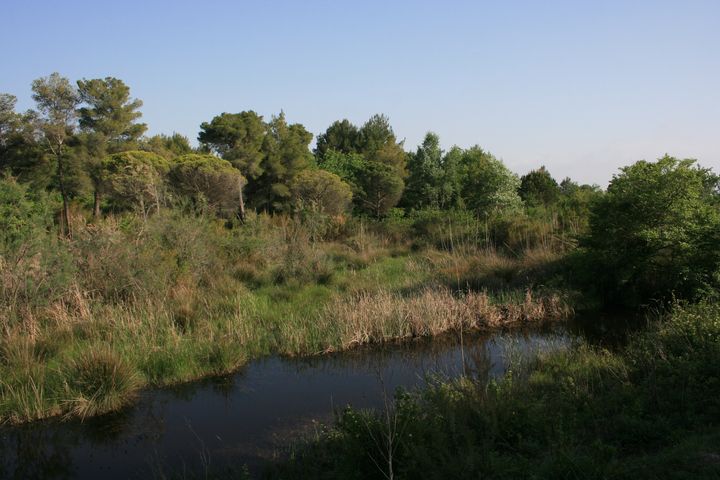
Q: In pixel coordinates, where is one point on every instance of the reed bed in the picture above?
(373, 317)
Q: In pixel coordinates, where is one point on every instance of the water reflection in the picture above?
(245, 418)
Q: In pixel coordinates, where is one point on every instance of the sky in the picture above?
(582, 87)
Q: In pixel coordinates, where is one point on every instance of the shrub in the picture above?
(656, 232)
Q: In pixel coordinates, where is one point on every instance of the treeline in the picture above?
(655, 232)
(85, 142)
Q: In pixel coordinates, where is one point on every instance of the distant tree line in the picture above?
(85, 139)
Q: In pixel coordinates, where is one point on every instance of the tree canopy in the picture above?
(539, 188)
(135, 179)
(321, 191)
(488, 186)
(109, 111)
(238, 138)
(656, 230)
(211, 182)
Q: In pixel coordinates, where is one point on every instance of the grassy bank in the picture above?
(130, 303)
(649, 411)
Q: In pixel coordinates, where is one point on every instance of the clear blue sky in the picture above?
(580, 86)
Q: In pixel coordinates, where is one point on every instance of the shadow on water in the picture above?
(248, 417)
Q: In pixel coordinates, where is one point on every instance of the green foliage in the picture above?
(268, 154)
(425, 180)
(321, 191)
(379, 188)
(375, 133)
(209, 181)
(167, 146)
(435, 179)
(110, 113)
(287, 153)
(574, 205)
(21, 217)
(347, 166)
(369, 159)
(135, 179)
(56, 100)
(488, 186)
(238, 138)
(656, 232)
(33, 263)
(9, 119)
(342, 136)
(539, 188)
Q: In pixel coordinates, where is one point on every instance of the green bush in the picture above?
(656, 233)
(98, 381)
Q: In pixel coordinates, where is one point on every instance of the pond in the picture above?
(254, 415)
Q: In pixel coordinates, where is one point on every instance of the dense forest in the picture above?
(130, 260)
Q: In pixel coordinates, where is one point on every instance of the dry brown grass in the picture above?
(383, 316)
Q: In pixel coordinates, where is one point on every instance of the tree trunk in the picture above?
(241, 212)
(65, 229)
(96, 204)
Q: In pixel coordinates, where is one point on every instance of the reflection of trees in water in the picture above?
(607, 329)
(31, 452)
(222, 384)
(448, 356)
(440, 350)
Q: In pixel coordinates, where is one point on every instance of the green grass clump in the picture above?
(98, 380)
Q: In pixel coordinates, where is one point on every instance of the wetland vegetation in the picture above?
(130, 261)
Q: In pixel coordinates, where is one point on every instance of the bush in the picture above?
(656, 233)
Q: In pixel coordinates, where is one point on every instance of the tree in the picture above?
(321, 191)
(379, 188)
(574, 205)
(209, 181)
(342, 136)
(20, 152)
(286, 153)
(656, 231)
(56, 100)
(135, 179)
(345, 165)
(539, 188)
(238, 138)
(375, 168)
(110, 112)
(9, 120)
(108, 121)
(450, 191)
(424, 186)
(488, 186)
(169, 147)
(375, 133)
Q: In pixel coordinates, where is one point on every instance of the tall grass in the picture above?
(131, 302)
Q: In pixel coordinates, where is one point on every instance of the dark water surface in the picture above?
(253, 415)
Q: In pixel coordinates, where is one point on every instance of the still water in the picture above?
(252, 416)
